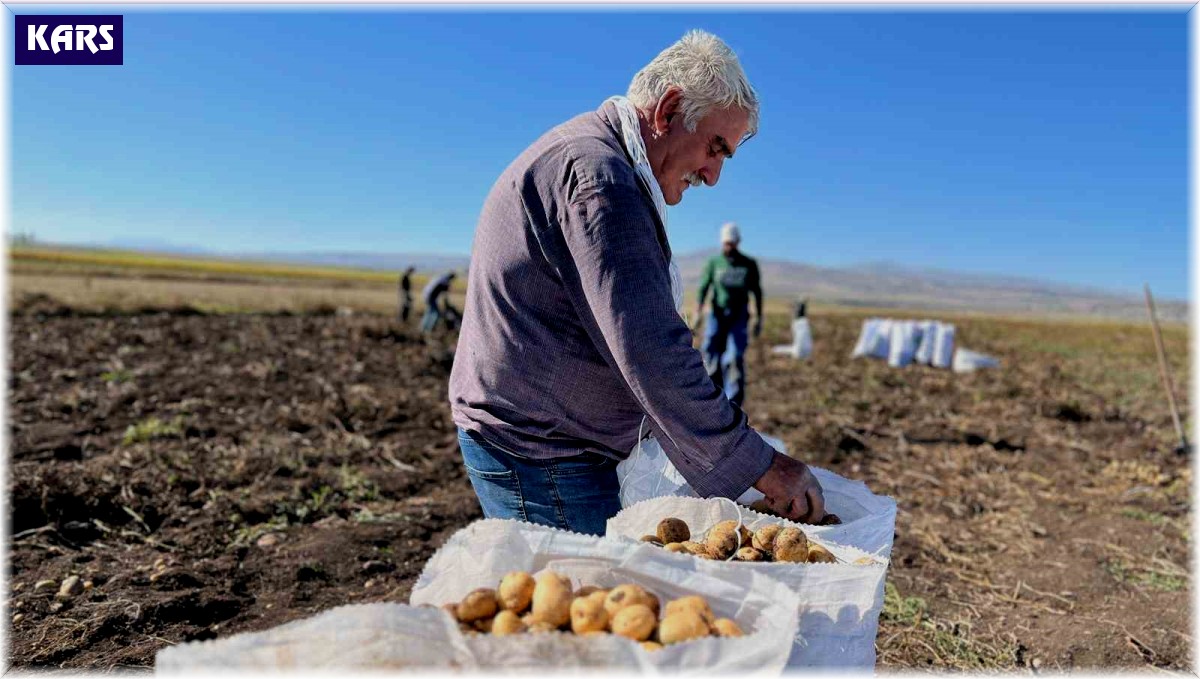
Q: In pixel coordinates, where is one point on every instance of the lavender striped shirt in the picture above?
(569, 332)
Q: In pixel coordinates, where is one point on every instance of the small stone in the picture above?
(155, 576)
(18, 618)
(18, 587)
(88, 585)
(268, 540)
(42, 584)
(18, 604)
(160, 563)
(269, 606)
(70, 587)
(369, 584)
(56, 606)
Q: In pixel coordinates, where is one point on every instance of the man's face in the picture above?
(729, 247)
(692, 158)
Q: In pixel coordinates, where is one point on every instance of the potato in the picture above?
(635, 622)
(466, 628)
(818, 554)
(587, 590)
(452, 609)
(681, 626)
(598, 596)
(694, 548)
(551, 599)
(673, 530)
(477, 605)
(750, 554)
(653, 539)
(629, 595)
(651, 646)
(588, 615)
(724, 627)
(764, 538)
(676, 547)
(722, 540)
(691, 604)
(506, 622)
(483, 625)
(791, 545)
(516, 591)
(542, 628)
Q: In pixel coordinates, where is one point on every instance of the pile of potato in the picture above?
(548, 603)
(728, 539)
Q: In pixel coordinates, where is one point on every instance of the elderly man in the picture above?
(572, 338)
(733, 277)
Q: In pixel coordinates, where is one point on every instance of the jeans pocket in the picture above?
(587, 463)
(496, 484)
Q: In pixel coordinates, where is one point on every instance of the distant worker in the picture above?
(434, 297)
(406, 294)
(733, 277)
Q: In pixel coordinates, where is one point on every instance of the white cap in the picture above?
(730, 233)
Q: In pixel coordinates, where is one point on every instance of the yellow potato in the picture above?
(635, 622)
(673, 530)
(587, 590)
(652, 539)
(722, 540)
(764, 538)
(791, 545)
(452, 609)
(750, 554)
(724, 627)
(552, 599)
(818, 554)
(516, 591)
(506, 622)
(691, 604)
(477, 605)
(694, 548)
(681, 626)
(541, 628)
(598, 596)
(676, 547)
(629, 595)
(747, 536)
(588, 615)
(651, 646)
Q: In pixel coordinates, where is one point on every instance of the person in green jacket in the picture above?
(733, 277)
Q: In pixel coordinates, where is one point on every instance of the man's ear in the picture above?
(667, 110)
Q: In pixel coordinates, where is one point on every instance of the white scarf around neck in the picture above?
(631, 135)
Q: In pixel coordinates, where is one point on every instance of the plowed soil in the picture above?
(212, 474)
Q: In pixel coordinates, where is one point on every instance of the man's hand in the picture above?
(757, 326)
(792, 491)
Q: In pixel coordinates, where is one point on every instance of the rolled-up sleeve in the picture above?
(615, 272)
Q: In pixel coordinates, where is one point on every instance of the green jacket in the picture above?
(732, 279)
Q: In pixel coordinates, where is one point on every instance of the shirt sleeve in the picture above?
(614, 269)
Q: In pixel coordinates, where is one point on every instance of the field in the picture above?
(224, 451)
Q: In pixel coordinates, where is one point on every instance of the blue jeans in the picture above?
(579, 493)
(432, 315)
(721, 326)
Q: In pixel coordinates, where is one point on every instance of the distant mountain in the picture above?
(885, 284)
(874, 284)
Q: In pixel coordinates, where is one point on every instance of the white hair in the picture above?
(707, 74)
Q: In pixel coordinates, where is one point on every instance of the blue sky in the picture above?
(1043, 144)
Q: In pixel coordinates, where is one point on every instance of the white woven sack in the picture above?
(943, 346)
(840, 603)
(868, 520)
(902, 345)
(927, 332)
(873, 340)
(483, 552)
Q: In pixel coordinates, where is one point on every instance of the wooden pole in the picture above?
(1162, 370)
